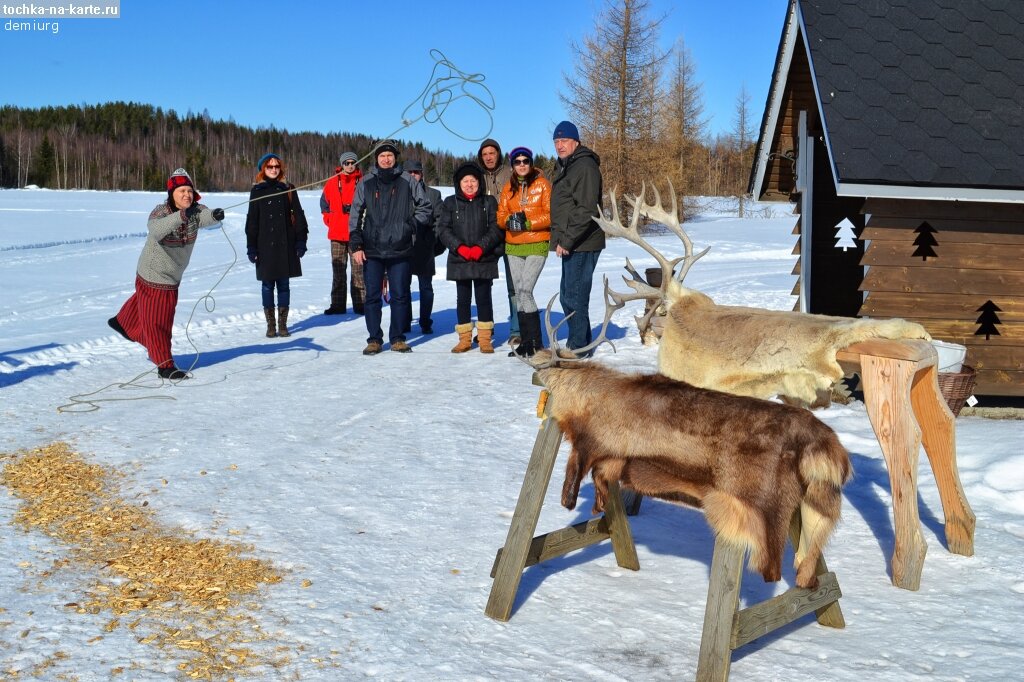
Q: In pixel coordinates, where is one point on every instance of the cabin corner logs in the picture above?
(957, 268)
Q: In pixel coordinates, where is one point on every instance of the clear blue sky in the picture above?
(333, 66)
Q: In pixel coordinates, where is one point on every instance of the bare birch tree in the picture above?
(743, 136)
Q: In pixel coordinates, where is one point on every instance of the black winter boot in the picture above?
(529, 330)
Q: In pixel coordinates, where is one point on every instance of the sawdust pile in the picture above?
(173, 591)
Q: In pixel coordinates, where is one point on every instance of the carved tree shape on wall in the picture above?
(925, 241)
(845, 235)
(988, 320)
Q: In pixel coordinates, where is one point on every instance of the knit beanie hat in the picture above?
(566, 130)
(385, 146)
(348, 156)
(180, 178)
(521, 151)
(265, 158)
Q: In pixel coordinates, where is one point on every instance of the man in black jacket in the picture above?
(575, 237)
(387, 210)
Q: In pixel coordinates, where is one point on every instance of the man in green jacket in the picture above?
(575, 237)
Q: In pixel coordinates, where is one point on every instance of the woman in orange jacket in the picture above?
(524, 213)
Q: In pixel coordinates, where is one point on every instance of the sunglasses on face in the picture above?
(272, 165)
(521, 162)
(349, 163)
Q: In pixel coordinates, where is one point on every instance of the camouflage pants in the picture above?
(339, 285)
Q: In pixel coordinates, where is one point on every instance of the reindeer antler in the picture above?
(557, 356)
(654, 211)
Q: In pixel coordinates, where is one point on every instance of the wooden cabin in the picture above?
(897, 128)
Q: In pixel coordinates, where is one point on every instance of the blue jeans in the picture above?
(397, 270)
(284, 292)
(577, 279)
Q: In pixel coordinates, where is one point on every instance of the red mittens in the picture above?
(473, 253)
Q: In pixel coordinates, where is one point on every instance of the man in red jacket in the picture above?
(335, 204)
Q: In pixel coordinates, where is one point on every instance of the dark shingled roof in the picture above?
(921, 92)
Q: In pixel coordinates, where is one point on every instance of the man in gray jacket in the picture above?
(388, 209)
(575, 237)
(496, 175)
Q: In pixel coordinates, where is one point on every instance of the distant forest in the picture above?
(128, 146)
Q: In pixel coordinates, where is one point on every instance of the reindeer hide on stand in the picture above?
(744, 351)
(751, 464)
(763, 353)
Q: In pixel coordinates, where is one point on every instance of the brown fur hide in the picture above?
(749, 463)
(762, 353)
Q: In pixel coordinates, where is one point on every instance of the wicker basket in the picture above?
(957, 387)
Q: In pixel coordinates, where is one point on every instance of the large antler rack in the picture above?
(670, 218)
(554, 355)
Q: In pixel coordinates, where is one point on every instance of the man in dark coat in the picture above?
(426, 249)
(387, 211)
(575, 237)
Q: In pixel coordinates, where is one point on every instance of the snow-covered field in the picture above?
(381, 487)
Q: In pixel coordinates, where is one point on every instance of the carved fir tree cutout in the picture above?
(925, 241)
(988, 320)
(844, 235)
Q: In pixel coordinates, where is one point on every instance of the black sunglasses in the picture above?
(348, 163)
(521, 162)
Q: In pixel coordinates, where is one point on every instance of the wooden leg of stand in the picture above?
(831, 615)
(723, 598)
(618, 528)
(939, 436)
(524, 521)
(887, 384)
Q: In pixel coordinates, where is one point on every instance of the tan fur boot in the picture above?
(465, 332)
(282, 321)
(271, 322)
(485, 336)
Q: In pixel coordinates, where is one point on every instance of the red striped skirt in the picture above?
(148, 317)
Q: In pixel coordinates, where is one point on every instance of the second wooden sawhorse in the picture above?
(906, 409)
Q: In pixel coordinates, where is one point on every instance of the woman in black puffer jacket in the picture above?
(469, 230)
(275, 236)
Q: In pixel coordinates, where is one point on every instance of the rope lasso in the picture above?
(441, 91)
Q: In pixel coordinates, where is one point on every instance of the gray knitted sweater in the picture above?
(172, 235)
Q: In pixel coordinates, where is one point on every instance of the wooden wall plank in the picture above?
(961, 331)
(999, 383)
(938, 306)
(970, 255)
(975, 212)
(989, 283)
(953, 233)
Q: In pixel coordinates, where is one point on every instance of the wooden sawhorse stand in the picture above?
(901, 393)
(725, 627)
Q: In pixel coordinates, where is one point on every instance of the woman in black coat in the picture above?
(275, 235)
(469, 230)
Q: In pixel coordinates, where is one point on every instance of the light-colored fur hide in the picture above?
(762, 353)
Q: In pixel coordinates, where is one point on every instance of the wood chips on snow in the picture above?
(192, 598)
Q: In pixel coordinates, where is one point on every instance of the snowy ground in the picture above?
(389, 482)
